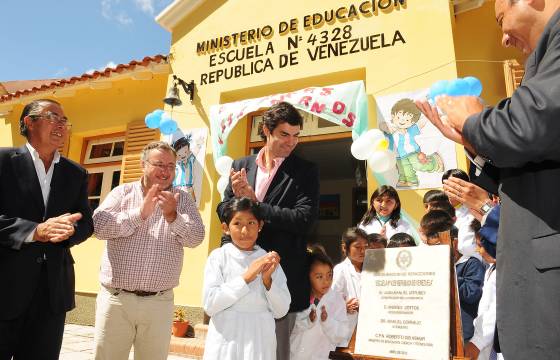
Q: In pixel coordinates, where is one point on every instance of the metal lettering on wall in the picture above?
(316, 37)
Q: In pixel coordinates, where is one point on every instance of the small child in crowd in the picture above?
(466, 243)
(401, 240)
(432, 223)
(433, 197)
(445, 206)
(469, 270)
(244, 290)
(347, 274)
(384, 214)
(324, 324)
(377, 241)
(470, 279)
(480, 345)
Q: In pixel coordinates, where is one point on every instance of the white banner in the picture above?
(343, 104)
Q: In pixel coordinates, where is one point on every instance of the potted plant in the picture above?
(180, 324)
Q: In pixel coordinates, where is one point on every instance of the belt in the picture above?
(142, 292)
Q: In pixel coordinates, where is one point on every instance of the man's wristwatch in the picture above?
(485, 208)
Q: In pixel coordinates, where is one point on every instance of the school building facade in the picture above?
(238, 52)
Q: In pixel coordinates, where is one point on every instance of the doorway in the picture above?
(343, 190)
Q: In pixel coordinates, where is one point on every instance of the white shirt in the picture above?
(44, 176)
(242, 315)
(467, 242)
(485, 322)
(375, 227)
(347, 281)
(314, 340)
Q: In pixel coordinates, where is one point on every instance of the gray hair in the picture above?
(156, 145)
(32, 109)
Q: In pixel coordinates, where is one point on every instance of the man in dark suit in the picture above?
(520, 137)
(43, 212)
(287, 191)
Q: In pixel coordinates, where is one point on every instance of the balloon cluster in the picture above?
(223, 166)
(469, 86)
(160, 119)
(373, 147)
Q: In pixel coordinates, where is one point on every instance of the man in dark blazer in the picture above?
(43, 212)
(286, 188)
(521, 138)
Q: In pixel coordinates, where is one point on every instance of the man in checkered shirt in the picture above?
(146, 225)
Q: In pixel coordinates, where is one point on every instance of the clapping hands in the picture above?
(240, 185)
(265, 265)
(313, 314)
(166, 200)
(57, 229)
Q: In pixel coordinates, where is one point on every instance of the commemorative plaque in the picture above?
(404, 304)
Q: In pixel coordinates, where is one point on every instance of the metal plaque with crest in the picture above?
(404, 304)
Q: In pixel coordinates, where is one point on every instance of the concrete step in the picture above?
(192, 348)
(200, 331)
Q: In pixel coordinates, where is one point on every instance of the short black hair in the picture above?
(375, 238)
(352, 234)
(434, 195)
(240, 204)
(277, 114)
(475, 226)
(434, 222)
(317, 254)
(182, 142)
(33, 109)
(401, 240)
(457, 173)
(443, 205)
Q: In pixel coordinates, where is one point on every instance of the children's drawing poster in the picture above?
(190, 145)
(423, 153)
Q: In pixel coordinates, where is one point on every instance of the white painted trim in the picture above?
(461, 6)
(175, 12)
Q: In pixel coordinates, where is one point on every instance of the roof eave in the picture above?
(175, 12)
(99, 80)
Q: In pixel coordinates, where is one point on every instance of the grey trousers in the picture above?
(284, 327)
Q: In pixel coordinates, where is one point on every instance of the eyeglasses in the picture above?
(54, 119)
(162, 167)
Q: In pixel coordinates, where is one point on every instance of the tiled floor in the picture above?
(77, 344)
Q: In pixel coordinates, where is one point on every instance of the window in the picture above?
(100, 182)
(104, 150)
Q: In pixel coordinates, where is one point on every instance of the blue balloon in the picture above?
(438, 88)
(475, 86)
(153, 119)
(457, 87)
(168, 126)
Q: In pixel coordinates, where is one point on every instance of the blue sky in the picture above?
(43, 39)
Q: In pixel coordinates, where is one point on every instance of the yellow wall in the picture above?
(5, 131)
(97, 112)
(427, 56)
(479, 53)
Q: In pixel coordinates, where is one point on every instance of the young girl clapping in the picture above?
(244, 290)
(324, 324)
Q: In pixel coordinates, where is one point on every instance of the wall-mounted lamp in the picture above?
(172, 97)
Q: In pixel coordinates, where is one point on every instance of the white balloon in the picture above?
(222, 185)
(223, 165)
(364, 146)
(382, 161)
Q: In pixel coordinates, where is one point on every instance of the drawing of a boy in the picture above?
(401, 132)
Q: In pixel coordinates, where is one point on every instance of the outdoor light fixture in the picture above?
(172, 97)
